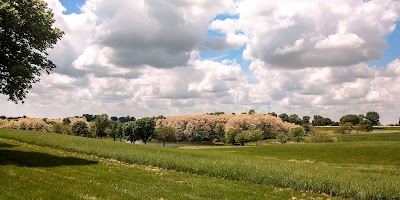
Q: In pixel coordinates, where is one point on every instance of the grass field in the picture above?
(32, 172)
(369, 169)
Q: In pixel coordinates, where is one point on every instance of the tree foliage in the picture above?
(350, 118)
(101, 123)
(80, 128)
(145, 128)
(26, 32)
(373, 117)
(129, 130)
(165, 134)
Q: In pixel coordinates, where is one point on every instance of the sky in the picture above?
(174, 57)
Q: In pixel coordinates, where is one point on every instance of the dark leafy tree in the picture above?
(26, 32)
(295, 119)
(88, 117)
(318, 120)
(101, 124)
(273, 114)
(80, 128)
(373, 117)
(366, 125)
(128, 129)
(252, 111)
(115, 129)
(306, 119)
(327, 122)
(284, 117)
(66, 121)
(114, 119)
(145, 128)
(350, 118)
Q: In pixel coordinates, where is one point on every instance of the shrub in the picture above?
(256, 136)
(344, 128)
(283, 137)
(56, 128)
(297, 134)
(316, 136)
(230, 135)
(241, 138)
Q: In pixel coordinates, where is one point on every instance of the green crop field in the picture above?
(33, 172)
(366, 169)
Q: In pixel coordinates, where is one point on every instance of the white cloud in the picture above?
(142, 58)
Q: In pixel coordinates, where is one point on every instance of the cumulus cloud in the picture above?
(142, 58)
(312, 33)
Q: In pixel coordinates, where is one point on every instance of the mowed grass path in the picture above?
(311, 167)
(33, 172)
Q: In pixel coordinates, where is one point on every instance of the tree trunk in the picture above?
(163, 144)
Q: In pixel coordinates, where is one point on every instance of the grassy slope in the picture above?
(280, 165)
(32, 172)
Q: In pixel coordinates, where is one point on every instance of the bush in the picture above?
(256, 136)
(230, 135)
(283, 137)
(316, 136)
(241, 138)
(297, 134)
(344, 128)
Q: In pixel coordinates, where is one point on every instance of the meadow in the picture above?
(33, 172)
(369, 169)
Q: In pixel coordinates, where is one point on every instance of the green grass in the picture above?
(32, 172)
(370, 137)
(367, 170)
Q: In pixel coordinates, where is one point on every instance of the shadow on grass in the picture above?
(5, 145)
(37, 159)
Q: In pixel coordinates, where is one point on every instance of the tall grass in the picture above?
(352, 180)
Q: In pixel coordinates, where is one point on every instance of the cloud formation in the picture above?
(141, 58)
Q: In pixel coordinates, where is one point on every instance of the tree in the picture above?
(366, 125)
(350, 118)
(220, 131)
(373, 117)
(284, 117)
(295, 119)
(115, 129)
(318, 120)
(129, 131)
(26, 32)
(101, 123)
(88, 117)
(80, 128)
(145, 128)
(66, 121)
(273, 114)
(306, 119)
(165, 134)
(252, 111)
